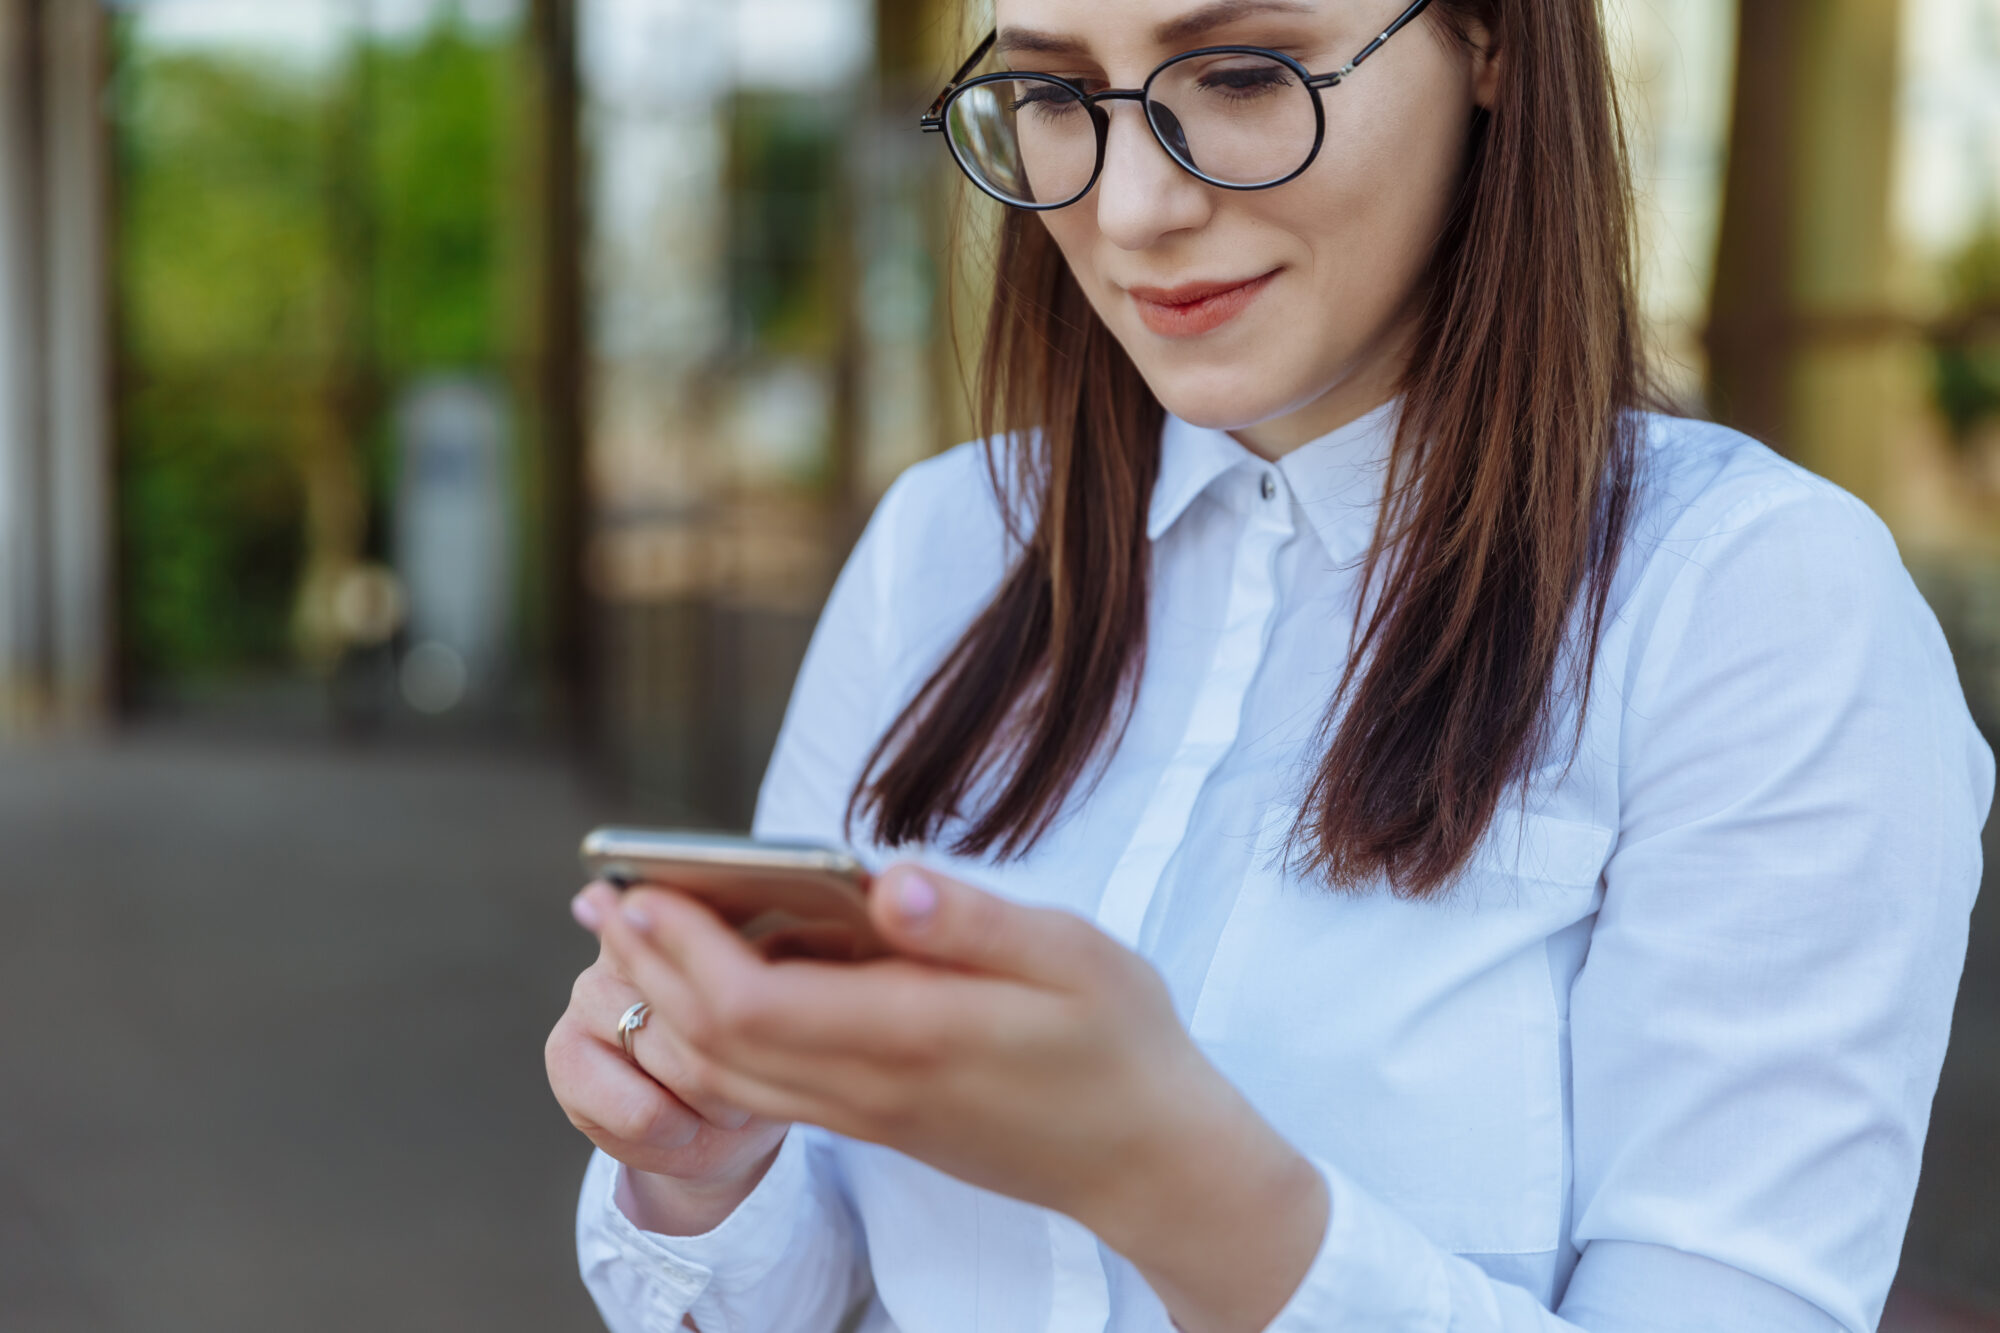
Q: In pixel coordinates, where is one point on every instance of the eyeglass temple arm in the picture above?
(1402, 21)
(932, 119)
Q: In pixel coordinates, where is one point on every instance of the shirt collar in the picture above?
(1191, 458)
(1336, 479)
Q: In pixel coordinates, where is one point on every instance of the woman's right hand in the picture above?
(689, 1161)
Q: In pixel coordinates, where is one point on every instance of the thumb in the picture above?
(928, 915)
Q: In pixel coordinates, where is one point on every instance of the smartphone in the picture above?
(787, 899)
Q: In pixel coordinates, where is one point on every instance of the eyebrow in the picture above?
(1171, 33)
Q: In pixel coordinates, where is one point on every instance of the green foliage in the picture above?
(1967, 368)
(441, 182)
(219, 513)
(223, 242)
(293, 246)
(783, 178)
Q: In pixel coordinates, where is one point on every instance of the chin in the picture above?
(1229, 382)
(1218, 397)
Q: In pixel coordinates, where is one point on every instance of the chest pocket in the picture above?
(1416, 1046)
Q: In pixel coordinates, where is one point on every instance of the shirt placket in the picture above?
(1081, 1296)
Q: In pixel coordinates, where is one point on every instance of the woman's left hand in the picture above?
(1019, 1049)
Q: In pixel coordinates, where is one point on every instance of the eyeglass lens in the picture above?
(1232, 117)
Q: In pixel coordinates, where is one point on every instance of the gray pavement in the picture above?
(273, 1041)
(273, 1028)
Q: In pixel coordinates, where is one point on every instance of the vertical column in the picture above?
(23, 645)
(1749, 309)
(1809, 348)
(557, 588)
(1859, 375)
(917, 338)
(81, 537)
(55, 504)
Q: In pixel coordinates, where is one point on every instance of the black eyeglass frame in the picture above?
(933, 119)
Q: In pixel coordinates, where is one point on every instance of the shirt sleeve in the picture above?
(791, 1257)
(1758, 1027)
(788, 1258)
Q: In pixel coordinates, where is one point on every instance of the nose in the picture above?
(1143, 194)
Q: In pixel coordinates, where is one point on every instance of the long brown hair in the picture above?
(1505, 504)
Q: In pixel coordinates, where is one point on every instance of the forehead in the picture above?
(1064, 27)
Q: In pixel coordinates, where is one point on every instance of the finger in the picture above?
(826, 1043)
(593, 904)
(664, 1055)
(927, 915)
(616, 1104)
(655, 1050)
(893, 1010)
(724, 990)
(701, 977)
(700, 1080)
(844, 1093)
(686, 932)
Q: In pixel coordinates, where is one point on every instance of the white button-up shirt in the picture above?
(1662, 1059)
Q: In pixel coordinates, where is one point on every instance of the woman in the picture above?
(1456, 850)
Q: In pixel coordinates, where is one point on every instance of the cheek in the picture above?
(1074, 235)
(1373, 203)
(1365, 218)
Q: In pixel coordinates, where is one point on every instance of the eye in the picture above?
(1046, 100)
(1242, 83)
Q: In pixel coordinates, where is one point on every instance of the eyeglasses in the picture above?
(1240, 117)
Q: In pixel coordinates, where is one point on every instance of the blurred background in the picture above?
(428, 427)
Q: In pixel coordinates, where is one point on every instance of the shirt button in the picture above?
(1270, 488)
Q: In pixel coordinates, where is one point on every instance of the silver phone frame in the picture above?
(604, 847)
(816, 897)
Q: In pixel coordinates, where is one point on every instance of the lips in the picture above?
(1196, 307)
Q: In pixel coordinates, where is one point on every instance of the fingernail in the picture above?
(636, 918)
(916, 898)
(586, 913)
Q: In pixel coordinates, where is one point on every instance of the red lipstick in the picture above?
(1196, 307)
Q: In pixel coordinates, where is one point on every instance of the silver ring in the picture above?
(630, 1022)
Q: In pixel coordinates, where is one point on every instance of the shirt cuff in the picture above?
(737, 1253)
(1374, 1269)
